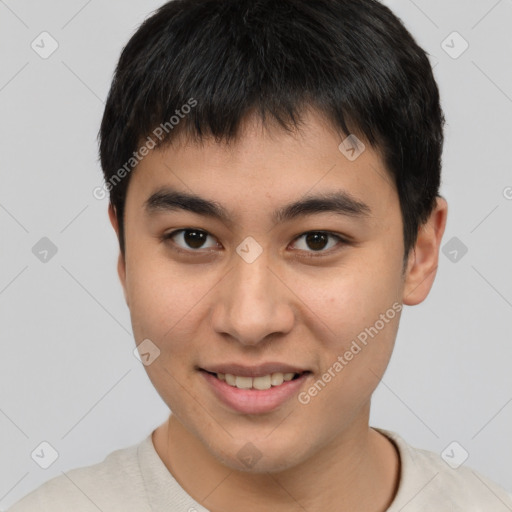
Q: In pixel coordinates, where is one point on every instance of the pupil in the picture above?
(194, 239)
(316, 241)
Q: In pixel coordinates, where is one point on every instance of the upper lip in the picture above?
(253, 371)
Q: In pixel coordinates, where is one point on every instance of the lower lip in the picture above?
(254, 401)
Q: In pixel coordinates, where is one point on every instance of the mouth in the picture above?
(260, 383)
(255, 390)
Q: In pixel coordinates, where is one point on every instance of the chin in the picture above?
(259, 457)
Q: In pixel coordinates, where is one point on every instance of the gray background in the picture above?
(68, 375)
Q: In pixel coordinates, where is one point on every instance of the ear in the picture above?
(424, 257)
(121, 264)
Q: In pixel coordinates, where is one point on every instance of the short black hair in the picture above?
(202, 66)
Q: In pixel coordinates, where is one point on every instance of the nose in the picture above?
(252, 303)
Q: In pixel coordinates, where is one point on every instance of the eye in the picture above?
(317, 241)
(190, 239)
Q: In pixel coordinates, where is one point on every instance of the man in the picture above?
(273, 171)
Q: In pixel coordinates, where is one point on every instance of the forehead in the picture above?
(266, 167)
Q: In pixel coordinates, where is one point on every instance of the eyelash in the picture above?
(308, 254)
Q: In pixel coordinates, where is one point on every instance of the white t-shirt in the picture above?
(135, 479)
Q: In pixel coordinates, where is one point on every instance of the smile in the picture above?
(257, 394)
(260, 383)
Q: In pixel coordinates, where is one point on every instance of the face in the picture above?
(236, 281)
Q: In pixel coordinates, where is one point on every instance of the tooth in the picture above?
(276, 379)
(230, 379)
(262, 383)
(244, 382)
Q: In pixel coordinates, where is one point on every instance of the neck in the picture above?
(356, 471)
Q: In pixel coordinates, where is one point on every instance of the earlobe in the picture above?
(424, 257)
(121, 265)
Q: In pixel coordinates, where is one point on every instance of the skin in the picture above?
(215, 307)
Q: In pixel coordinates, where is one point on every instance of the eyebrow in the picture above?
(338, 202)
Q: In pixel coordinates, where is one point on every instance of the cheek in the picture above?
(362, 330)
(352, 367)
(161, 299)
(361, 309)
(349, 299)
(163, 308)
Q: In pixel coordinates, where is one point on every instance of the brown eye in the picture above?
(190, 239)
(317, 241)
(194, 239)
